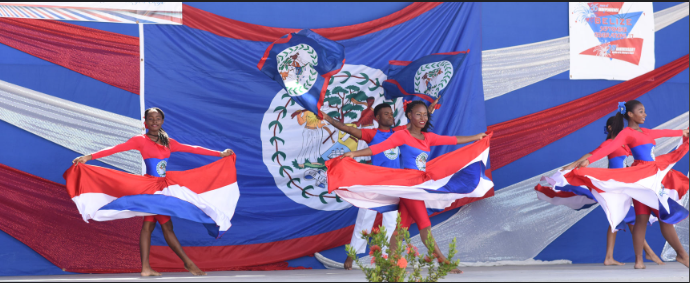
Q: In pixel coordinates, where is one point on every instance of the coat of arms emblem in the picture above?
(431, 78)
(296, 68)
(296, 144)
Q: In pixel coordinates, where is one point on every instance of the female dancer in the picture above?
(616, 160)
(155, 147)
(641, 143)
(415, 143)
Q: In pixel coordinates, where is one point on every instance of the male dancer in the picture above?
(389, 158)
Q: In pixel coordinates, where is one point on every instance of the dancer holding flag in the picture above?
(458, 175)
(389, 159)
(577, 198)
(651, 183)
(207, 195)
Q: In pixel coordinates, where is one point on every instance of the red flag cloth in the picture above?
(40, 214)
(109, 57)
(519, 137)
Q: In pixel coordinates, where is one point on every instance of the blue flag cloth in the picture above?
(424, 79)
(214, 96)
(303, 63)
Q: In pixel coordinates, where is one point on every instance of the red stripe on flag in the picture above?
(268, 50)
(452, 53)
(324, 88)
(422, 96)
(553, 194)
(399, 63)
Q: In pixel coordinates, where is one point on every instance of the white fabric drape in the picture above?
(72, 125)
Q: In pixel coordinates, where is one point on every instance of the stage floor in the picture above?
(672, 271)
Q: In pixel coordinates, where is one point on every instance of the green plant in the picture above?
(393, 267)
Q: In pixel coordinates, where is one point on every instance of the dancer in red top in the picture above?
(641, 143)
(155, 147)
(617, 160)
(415, 145)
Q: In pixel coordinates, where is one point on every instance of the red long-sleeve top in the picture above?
(150, 149)
(640, 143)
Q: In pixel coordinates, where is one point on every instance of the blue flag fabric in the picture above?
(424, 79)
(214, 96)
(302, 62)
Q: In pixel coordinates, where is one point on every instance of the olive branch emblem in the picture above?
(289, 63)
(425, 72)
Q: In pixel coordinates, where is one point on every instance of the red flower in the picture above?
(440, 260)
(364, 233)
(373, 259)
(385, 257)
(373, 249)
(375, 231)
(427, 259)
(411, 248)
(402, 262)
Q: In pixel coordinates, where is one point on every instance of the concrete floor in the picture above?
(671, 272)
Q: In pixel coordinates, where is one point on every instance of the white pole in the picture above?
(141, 86)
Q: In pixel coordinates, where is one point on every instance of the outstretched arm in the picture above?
(468, 139)
(128, 145)
(657, 134)
(572, 165)
(176, 146)
(361, 152)
(357, 133)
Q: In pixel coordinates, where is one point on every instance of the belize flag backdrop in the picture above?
(203, 74)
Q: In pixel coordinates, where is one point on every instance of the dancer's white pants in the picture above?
(365, 221)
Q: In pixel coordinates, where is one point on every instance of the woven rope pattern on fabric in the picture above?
(72, 125)
(105, 56)
(519, 137)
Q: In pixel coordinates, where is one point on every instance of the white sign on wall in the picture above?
(611, 40)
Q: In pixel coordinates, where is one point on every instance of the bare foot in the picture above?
(612, 262)
(640, 265)
(194, 270)
(655, 259)
(348, 263)
(149, 272)
(683, 260)
(455, 271)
